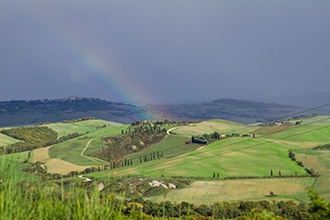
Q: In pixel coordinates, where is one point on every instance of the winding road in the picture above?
(169, 130)
(83, 151)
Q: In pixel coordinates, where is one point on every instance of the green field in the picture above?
(71, 150)
(170, 146)
(237, 157)
(232, 157)
(15, 163)
(6, 140)
(80, 127)
(318, 160)
(305, 133)
(266, 155)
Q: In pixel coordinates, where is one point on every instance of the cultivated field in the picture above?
(222, 126)
(15, 163)
(230, 157)
(319, 160)
(71, 150)
(209, 192)
(6, 140)
(80, 127)
(171, 146)
(55, 165)
(239, 157)
(266, 155)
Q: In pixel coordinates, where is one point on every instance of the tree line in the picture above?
(133, 139)
(322, 147)
(311, 171)
(30, 137)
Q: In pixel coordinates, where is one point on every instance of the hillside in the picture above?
(230, 109)
(27, 112)
(243, 163)
(257, 165)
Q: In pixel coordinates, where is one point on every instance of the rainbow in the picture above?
(101, 71)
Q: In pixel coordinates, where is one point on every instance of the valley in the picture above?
(239, 156)
(238, 162)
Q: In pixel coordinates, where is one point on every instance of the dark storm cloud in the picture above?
(176, 50)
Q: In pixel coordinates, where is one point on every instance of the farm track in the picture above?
(88, 157)
(169, 130)
(86, 179)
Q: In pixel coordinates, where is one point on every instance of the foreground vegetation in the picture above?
(97, 200)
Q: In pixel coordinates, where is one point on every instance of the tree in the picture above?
(318, 207)
(265, 214)
(204, 210)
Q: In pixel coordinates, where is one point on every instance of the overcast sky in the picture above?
(164, 51)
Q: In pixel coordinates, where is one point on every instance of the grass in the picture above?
(71, 150)
(16, 165)
(81, 127)
(170, 146)
(230, 157)
(270, 129)
(319, 160)
(55, 165)
(6, 140)
(95, 145)
(38, 200)
(318, 134)
(321, 119)
(221, 126)
(67, 156)
(209, 192)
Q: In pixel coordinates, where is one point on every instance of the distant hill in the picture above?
(26, 112)
(229, 109)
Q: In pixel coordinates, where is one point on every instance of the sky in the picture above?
(164, 51)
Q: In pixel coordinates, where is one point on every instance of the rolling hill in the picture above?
(255, 160)
(28, 112)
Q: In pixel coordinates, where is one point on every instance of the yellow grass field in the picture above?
(209, 192)
(55, 165)
(204, 127)
(319, 160)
